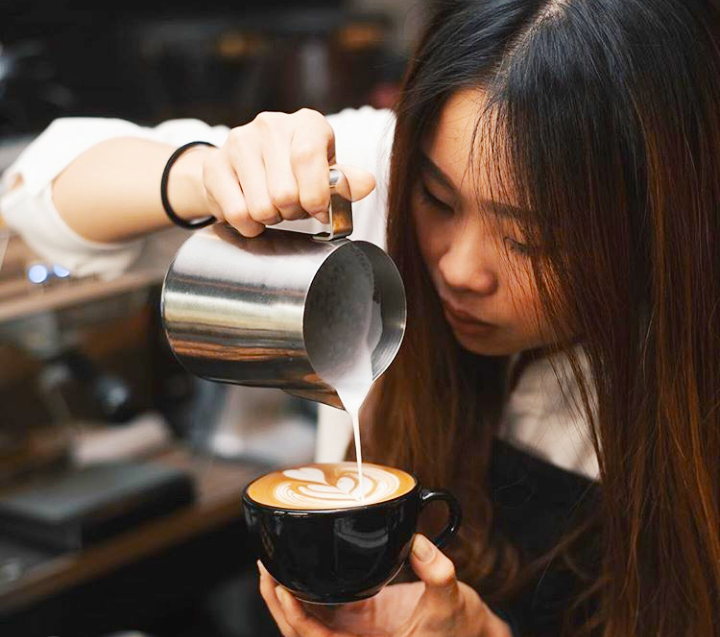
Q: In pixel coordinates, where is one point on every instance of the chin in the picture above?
(485, 347)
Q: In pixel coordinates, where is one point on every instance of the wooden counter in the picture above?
(219, 485)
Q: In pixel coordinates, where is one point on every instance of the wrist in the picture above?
(186, 190)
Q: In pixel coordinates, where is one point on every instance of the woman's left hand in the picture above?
(437, 606)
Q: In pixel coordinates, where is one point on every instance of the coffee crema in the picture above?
(330, 486)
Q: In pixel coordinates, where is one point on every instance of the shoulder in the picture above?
(363, 136)
(544, 415)
(362, 120)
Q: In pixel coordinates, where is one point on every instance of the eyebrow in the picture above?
(505, 210)
(428, 165)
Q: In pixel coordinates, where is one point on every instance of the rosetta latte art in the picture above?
(307, 487)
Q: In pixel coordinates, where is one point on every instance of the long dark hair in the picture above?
(606, 114)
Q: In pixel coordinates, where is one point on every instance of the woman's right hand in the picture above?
(276, 168)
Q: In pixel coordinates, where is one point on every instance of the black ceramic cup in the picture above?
(335, 556)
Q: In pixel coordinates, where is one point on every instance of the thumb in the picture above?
(437, 572)
(356, 184)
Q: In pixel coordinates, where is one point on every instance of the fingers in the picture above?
(268, 591)
(441, 600)
(281, 182)
(311, 152)
(276, 168)
(303, 624)
(225, 197)
(252, 177)
(358, 183)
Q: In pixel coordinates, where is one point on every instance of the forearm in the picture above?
(111, 192)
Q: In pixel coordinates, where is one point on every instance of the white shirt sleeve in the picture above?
(30, 211)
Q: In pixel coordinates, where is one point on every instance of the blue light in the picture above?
(60, 272)
(38, 273)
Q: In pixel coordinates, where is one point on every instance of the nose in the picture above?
(467, 264)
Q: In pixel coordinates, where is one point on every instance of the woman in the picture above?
(553, 208)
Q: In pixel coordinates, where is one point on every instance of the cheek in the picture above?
(432, 237)
(521, 284)
(526, 301)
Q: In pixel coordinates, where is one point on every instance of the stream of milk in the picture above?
(345, 326)
(355, 384)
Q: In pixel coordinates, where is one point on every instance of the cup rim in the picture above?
(246, 497)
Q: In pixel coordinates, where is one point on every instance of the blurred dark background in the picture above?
(222, 61)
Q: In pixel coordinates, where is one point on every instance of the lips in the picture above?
(458, 316)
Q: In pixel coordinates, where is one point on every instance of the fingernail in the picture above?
(322, 217)
(422, 548)
(260, 567)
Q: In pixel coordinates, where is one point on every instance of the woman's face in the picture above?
(472, 245)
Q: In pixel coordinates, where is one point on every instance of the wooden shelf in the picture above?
(64, 294)
(219, 485)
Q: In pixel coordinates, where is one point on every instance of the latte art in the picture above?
(308, 487)
(330, 486)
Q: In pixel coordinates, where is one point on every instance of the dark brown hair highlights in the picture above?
(610, 120)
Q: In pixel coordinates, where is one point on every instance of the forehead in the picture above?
(450, 143)
(460, 145)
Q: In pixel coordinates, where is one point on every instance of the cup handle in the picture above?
(454, 513)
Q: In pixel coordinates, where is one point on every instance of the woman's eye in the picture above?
(432, 200)
(520, 248)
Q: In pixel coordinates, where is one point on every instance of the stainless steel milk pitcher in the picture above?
(250, 311)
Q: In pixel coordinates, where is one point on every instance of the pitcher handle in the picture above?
(340, 211)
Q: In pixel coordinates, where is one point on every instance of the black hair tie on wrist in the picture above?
(173, 216)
